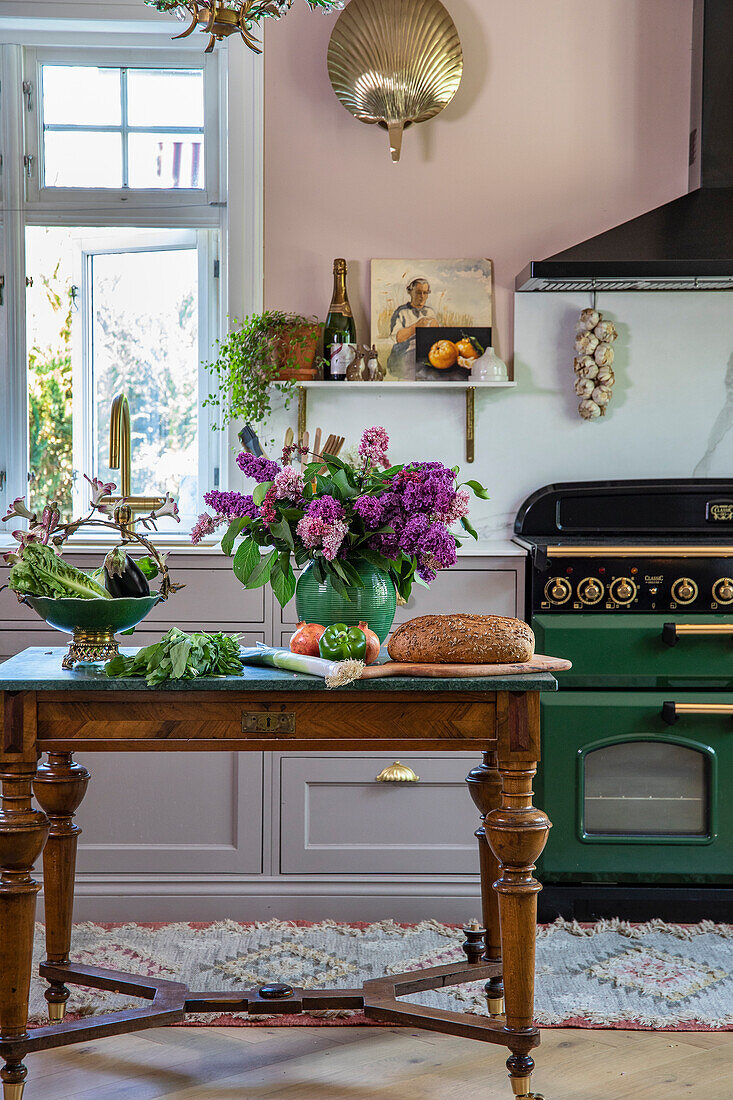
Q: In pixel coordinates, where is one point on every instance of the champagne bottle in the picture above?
(340, 327)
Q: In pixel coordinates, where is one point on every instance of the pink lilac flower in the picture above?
(231, 505)
(370, 510)
(326, 508)
(205, 525)
(268, 514)
(334, 535)
(373, 446)
(257, 466)
(289, 484)
(310, 531)
(458, 509)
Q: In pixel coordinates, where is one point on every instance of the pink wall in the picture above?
(571, 117)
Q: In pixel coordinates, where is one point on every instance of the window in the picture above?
(114, 127)
(112, 224)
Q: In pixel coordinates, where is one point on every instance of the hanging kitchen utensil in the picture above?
(395, 62)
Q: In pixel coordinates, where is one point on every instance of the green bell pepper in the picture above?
(340, 642)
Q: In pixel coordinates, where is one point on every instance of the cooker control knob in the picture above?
(590, 590)
(558, 590)
(723, 590)
(622, 590)
(684, 590)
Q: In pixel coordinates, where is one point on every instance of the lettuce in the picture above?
(41, 572)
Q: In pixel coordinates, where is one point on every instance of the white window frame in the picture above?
(38, 195)
(234, 97)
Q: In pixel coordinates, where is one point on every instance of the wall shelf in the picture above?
(469, 388)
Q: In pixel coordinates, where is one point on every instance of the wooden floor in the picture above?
(349, 1063)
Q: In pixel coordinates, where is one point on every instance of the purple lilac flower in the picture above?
(389, 545)
(289, 484)
(257, 466)
(310, 531)
(370, 510)
(413, 533)
(333, 536)
(231, 505)
(437, 551)
(326, 508)
(373, 447)
(205, 525)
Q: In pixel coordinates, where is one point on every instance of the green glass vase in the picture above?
(375, 603)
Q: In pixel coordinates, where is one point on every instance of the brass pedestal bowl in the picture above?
(92, 623)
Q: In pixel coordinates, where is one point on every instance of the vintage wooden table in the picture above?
(46, 710)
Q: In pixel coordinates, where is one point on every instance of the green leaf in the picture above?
(282, 580)
(467, 526)
(281, 530)
(373, 556)
(261, 572)
(234, 528)
(352, 574)
(342, 480)
(337, 584)
(478, 489)
(260, 492)
(246, 560)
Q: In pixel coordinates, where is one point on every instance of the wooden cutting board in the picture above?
(539, 663)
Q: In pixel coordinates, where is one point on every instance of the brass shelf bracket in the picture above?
(470, 424)
(302, 413)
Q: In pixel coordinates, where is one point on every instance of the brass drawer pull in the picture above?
(672, 711)
(262, 721)
(672, 632)
(397, 773)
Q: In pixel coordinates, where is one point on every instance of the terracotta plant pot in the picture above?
(297, 347)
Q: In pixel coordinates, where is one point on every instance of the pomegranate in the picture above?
(373, 644)
(306, 638)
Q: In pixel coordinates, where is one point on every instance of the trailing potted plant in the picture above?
(266, 349)
(362, 533)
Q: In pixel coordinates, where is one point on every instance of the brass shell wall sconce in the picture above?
(395, 62)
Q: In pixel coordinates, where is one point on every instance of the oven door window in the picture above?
(646, 788)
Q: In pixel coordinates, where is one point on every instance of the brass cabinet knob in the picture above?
(590, 590)
(397, 773)
(684, 590)
(558, 590)
(622, 590)
(723, 590)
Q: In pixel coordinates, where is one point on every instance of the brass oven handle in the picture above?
(397, 773)
(672, 632)
(672, 711)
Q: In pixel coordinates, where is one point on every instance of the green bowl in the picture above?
(96, 616)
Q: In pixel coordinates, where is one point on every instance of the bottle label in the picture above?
(341, 307)
(342, 356)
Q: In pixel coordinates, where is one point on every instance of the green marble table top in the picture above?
(39, 669)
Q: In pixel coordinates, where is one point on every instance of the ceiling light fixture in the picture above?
(220, 18)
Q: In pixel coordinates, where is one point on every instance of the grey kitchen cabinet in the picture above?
(335, 818)
(275, 834)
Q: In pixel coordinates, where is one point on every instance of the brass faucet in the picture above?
(120, 458)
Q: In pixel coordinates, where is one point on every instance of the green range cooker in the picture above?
(633, 582)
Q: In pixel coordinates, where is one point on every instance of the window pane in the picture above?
(165, 97)
(49, 327)
(145, 342)
(648, 788)
(85, 159)
(81, 95)
(166, 160)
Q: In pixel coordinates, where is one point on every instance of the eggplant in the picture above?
(123, 577)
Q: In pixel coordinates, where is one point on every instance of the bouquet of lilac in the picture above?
(398, 518)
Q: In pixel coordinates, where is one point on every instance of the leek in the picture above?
(335, 673)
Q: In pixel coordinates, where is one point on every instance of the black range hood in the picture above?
(687, 244)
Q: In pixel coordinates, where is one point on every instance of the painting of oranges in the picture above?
(448, 354)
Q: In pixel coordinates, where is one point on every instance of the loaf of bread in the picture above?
(462, 640)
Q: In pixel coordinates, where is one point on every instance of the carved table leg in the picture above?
(484, 783)
(23, 832)
(59, 787)
(517, 833)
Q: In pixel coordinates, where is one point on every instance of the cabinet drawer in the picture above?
(480, 591)
(336, 819)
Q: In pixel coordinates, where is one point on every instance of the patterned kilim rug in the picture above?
(604, 975)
